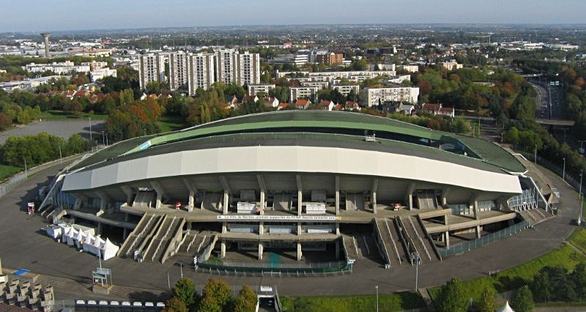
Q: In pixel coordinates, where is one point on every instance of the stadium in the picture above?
(310, 186)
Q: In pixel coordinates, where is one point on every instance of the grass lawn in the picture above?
(8, 171)
(61, 115)
(394, 302)
(171, 123)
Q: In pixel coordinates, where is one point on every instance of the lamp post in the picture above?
(417, 260)
(376, 287)
(580, 197)
(564, 170)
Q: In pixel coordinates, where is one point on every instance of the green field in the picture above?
(8, 171)
(394, 302)
(61, 115)
(171, 123)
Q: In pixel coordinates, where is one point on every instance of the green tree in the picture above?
(216, 296)
(452, 297)
(185, 291)
(245, 301)
(522, 300)
(175, 305)
(579, 279)
(487, 300)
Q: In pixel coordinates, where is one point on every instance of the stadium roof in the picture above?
(316, 128)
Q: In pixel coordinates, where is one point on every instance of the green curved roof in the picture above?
(309, 121)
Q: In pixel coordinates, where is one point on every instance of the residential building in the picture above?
(101, 73)
(151, 68)
(346, 89)
(248, 68)
(254, 89)
(59, 68)
(452, 65)
(376, 96)
(330, 58)
(178, 73)
(438, 110)
(302, 93)
(200, 68)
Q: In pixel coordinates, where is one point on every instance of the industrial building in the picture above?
(299, 182)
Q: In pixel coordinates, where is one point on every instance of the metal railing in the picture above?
(483, 241)
(288, 269)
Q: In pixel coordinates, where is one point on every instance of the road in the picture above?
(61, 128)
(23, 245)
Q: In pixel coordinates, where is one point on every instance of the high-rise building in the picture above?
(226, 65)
(248, 68)
(240, 68)
(177, 70)
(200, 71)
(151, 68)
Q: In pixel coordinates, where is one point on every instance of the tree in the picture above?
(246, 300)
(578, 277)
(452, 297)
(175, 305)
(216, 296)
(185, 291)
(522, 300)
(487, 302)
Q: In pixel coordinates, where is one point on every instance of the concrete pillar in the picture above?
(262, 202)
(192, 190)
(374, 189)
(225, 203)
(191, 201)
(447, 239)
(299, 253)
(337, 228)
(128, 192)
(223, 249)
(409, 195)
(224, 227)
(299, 202)
(260, 251)
(261, 228)
(477, 217)
(77, 204)
(337, 188)
(373, 199)
(159, 191)
(445, 192)
(298, 228)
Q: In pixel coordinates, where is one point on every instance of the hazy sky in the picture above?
(51, 15)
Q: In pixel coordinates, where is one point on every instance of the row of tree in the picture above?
(216, 296)
(40, 148)
(454, 297)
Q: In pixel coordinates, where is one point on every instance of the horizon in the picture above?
(151, 14)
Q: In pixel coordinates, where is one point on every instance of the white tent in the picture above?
(72, 236)
(506, 308)
(110, 250)
(54, 231)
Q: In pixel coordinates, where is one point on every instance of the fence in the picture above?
(20, 177)
(254, 269)
(483, 241)
(571, 179)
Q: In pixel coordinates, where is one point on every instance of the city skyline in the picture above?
(110, 14)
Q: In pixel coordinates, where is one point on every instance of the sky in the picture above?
(56, 15)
